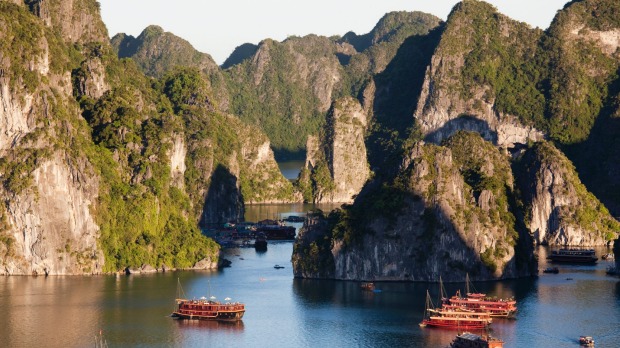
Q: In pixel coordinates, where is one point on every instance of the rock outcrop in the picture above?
(457, 95)
(78, 21)
(342, 151)
(451, 216)
(559, 209)
(53, 229)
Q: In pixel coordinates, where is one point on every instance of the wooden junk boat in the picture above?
(478, 302)
(470, 340)
(453, 318)
(207, 309)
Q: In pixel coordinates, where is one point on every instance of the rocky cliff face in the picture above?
(453, 218)
(48, 188)
(559, 209)
(341, 150)
(457, 95)
(78, 21)
(51, 225)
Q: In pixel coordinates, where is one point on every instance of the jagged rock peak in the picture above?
(389, 25)
(471, 83)
(157, 52)
(78, 21)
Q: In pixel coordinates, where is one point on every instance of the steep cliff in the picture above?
(559, 209)
(336, 164)
(584, 91)
(48, 187)
(77, 21)
(479, 78)
(447, 213)
(102, 167)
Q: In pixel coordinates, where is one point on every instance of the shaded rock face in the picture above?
(53, 230)
(223, 201)
(343, 150)
(446, 227)
(561, 211)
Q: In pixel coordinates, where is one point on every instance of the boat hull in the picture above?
(219, 316)
(454, 324)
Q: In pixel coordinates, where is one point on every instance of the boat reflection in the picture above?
(232, 326)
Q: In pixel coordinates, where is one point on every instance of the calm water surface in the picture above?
(132, 311)
(291, 169)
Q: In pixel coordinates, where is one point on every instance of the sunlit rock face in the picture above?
(51, 223)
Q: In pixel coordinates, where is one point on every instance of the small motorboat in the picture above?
(608, 256)
(368, 286)
(554, 270)
(278, 266)
(586, 341)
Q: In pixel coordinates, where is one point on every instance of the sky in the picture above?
(216, 27)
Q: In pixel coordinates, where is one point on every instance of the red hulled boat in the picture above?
(497, 308)
(454, 318)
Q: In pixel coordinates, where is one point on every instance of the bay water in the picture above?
(133, 311)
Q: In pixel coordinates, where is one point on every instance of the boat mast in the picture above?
(442, 291)
(467, 284)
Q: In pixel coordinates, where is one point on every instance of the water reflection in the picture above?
(258, 212)
(37, 309)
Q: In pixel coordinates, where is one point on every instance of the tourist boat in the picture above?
(368, 286)
(453, 318)
(478, 302)
(573, 256)
(207, 309)
(586, 341)
(470, 340)
(554, 270)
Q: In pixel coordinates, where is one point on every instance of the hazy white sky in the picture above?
(217, 27)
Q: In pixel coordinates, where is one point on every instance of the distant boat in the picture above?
(573, 256)
(586, 341)
(470, 340)
(368, 286)
(608, 256)
(479, 302)
(294, 218)
(276, 230)
(278, 266)
(554, 270)
(459, 318)
(207, 309)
